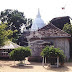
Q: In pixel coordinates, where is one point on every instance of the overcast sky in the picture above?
(48, 8)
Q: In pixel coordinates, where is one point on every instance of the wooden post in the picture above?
(43, 61)
(57, 61)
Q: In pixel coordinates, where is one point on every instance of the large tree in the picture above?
(15, 20)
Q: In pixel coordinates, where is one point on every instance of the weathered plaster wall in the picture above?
(36, 49)
(62, 43)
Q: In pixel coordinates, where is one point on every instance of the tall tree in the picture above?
(4, 34)
(15, 20)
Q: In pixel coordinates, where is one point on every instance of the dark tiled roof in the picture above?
(60, 18)
(52, 31)
(60, 21)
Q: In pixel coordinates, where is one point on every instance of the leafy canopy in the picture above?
(53, 52)
(68, 28)
(20, 53)
(4, 34)
(14, 19)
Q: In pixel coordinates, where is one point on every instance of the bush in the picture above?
(20, 53)
(53, 52)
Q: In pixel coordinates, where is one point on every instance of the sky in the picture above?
(49, 9)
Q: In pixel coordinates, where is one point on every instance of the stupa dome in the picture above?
(37, 23)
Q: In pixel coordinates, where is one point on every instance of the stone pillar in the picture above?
(43, 61)
(57, 61)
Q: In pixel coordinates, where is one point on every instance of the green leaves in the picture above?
(20, 53)
(68, 28)
(4, 33)
(53, 52)
(14, 19)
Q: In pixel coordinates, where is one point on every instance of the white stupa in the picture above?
(37, 23)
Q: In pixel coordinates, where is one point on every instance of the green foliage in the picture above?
(4, 34)
(20, 53)
(45, 52)
(14, 19)
(68, 28)
(53, 52)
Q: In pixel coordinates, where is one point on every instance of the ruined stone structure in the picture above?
(48, 35)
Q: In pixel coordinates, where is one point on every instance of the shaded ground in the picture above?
(10, 66)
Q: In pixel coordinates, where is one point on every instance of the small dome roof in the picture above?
(37, 23)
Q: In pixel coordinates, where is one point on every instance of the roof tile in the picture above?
(52, 31)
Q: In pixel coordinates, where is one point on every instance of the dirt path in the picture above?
(8, 66)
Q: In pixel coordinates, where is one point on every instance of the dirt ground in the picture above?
(10, 66)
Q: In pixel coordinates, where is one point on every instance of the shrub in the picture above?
(53, 52)
(20, 53)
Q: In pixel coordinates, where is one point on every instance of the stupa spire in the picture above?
(37, 23)
(38, 15)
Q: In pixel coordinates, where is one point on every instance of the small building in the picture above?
(7, 48)
(42, 35)
(49, 35)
